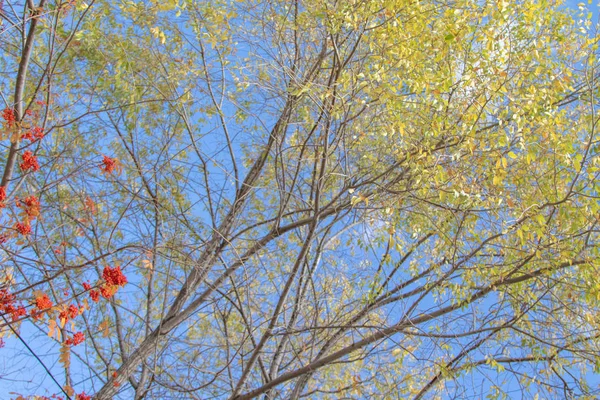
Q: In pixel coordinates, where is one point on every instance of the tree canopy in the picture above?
(288, 199)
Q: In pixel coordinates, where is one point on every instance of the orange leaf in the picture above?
(104, 325)
(52, 330)
(65, 356)
(69, 390)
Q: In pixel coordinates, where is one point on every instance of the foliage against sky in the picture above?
(300, 199)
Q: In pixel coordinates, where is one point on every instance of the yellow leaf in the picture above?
(166, 5)
(81, 6)
(147, 264)
(157, 33)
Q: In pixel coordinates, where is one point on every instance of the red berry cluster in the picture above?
(35, 133)
(113, 279)
(8, 306)
(9, 116)
(29, 162)
(69, 313)
(43, 302)
(114, 276)
(77, 338)
(31, 210)
(23, 228)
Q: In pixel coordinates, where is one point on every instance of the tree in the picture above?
(301, 199)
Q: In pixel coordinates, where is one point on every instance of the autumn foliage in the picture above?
(299, 199)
